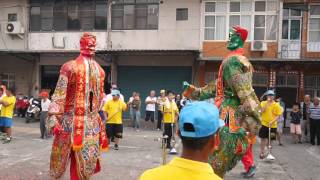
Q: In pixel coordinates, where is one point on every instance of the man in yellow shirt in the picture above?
(199, 123)
(113, 112)
(8, 103)
(270, 112)
(170, 115)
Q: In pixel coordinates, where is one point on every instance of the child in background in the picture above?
(295, 127)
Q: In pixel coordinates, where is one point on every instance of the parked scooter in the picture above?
(33, 112)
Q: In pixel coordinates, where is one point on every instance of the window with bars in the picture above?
(64, 15)
(220, 16)
(287, 80)
(312, 85)
(135, 14)
(260, 79)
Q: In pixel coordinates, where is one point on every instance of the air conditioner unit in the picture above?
(259, 46)
(14, 28)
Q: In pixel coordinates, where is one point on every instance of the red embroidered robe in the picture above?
(78, 96)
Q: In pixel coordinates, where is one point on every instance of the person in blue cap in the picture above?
(113, 110)
(199, 125)
(270, 112)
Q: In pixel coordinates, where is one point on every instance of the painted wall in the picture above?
(12, 42)
(171, 35)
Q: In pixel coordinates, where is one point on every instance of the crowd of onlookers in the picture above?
(165, 107)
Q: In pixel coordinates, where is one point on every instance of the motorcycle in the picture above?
(33, 111)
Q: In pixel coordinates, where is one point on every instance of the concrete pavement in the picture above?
(27, 157)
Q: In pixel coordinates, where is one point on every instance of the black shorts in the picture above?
(114, 130)
(264, 132)
(150, 116)
(168, 129)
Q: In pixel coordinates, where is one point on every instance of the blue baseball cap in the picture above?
(270, 93)
(115, 92)
(199, 119)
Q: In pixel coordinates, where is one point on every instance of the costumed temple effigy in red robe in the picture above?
(79, 133)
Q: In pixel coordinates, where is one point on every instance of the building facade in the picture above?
(283, 43)
(157, 44)
(141, 44)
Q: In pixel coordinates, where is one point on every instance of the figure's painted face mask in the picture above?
(88, 45)
(237, 37)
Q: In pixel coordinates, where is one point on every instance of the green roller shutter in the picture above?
(144, 79)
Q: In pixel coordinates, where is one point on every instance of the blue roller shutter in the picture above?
(143, 79)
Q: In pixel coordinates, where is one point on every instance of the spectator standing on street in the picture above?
(295, 127)
(306, 121)
(131, 108)
(2, 94)
(8, 103)
(198, 129)
(280, 122)
(136, 107)
(160, 102)
(19, 105)
(113, 112)
(178, 101)
(315, 121)
(45, 102)
(270, 112)
(104, 101)
(151, 101)
(170, 116)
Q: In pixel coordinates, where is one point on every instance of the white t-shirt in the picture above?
(151, 107)
(45, 105)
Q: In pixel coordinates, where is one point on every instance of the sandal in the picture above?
(262, 156)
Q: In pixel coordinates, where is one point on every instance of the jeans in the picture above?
(43, 129)
(136, 118)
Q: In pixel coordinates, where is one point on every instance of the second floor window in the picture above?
(258, 17)
(64, 15)
(135, 14)
(314, 28)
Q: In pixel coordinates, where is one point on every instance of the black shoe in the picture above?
(251, 172)
(116, 147)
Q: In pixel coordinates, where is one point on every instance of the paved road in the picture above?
(27, 157)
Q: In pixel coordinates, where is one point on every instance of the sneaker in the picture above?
(116, 147)
(251, 172)
(7, 140)
(243, 174)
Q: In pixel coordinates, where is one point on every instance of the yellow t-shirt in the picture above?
(170, 111)
(114, 110)
(270, 114)
(181, 169)
(7, 111)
